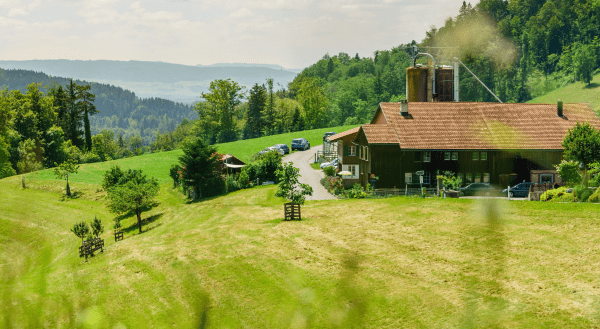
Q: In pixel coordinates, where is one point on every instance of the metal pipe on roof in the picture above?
(433, 59)
(483, 84)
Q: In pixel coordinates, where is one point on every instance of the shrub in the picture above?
(89, 157)
(174, 172)
(263, 167)
(583, 194)
(112, 177)
(334, 185)
(595, 197)
(244, 180)
(231, 183)
(329, 171)
(357, 192)
(551, 194)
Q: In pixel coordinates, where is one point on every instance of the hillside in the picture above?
(577, 92)
(231, 262)
(180, 83)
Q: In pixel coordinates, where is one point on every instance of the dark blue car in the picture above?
(520, 190)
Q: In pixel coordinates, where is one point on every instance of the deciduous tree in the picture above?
(582, 144)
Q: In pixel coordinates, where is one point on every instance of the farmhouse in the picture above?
(229, 164)
(480, 142)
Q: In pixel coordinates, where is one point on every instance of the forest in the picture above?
(119, 110)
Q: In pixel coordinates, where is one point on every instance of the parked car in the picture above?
(333, 163)
(271, 148)
(478, 189)
(284, 147)
(300, 144)
(327, 134)
(519, 190)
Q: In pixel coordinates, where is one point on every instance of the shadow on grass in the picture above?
(205, 199)
(145, 222)
(74, 196)
(592, 85)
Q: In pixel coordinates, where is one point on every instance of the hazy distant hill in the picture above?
(182, 83)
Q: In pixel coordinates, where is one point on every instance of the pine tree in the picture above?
(86, 100)
(74, 116)
(256, 106)
(269, 112)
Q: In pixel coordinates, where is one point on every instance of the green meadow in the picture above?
(232, 262)
(577, 92)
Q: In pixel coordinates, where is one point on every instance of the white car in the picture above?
(272, 148)
(333, 163)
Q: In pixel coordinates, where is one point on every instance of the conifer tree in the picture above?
(254, 117)
(86, 104)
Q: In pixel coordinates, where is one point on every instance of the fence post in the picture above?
(508, 193)
(406, 190)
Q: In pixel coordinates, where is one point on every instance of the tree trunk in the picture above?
(68, 188)
(139, 218)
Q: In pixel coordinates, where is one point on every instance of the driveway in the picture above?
(302, 161)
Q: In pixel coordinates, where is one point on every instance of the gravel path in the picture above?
(308, 175)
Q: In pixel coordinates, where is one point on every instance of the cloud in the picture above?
(242, 12)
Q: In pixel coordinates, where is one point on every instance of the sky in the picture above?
(290, 33)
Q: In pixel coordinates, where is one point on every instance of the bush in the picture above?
(595, 197)
(263, 167)
(244, 180)
(231, 183)
(112, 177)
(89, 157)
(357, 192)
(334, 185)
(174, 172)
(329, 171)
(551, 194)
(583, 194)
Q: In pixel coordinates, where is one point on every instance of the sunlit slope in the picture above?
(231, 262)
(577, 92)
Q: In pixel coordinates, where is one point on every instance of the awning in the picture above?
(234, 166)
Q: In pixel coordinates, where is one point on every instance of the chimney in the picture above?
(559, 108)
(403, 107)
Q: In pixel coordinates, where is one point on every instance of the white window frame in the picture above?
(447, 155)
(351, 168)
(454, 155)
(475, 156)
(426, 156)
(486, 177)
(427, 178)
(408, 178)
(352, 151)
(483, 156)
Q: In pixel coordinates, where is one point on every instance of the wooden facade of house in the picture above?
(500, 144)
(230, 164)
(347, 155)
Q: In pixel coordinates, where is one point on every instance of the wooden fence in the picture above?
(292, 211)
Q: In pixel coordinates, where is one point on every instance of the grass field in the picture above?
(577, 92)
(231, 262)
(158, 164)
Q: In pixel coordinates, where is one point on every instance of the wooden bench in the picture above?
(292, 211)
(88, 247)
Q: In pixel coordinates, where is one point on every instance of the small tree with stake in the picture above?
(289, 188)
(97, 227)
(63, 170)
(582, 144)
(81, 230)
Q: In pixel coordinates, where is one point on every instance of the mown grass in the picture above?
(158, 164)
(231, 262)
(578, 92)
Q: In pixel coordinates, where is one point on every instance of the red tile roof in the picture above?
(343, 134)
(453, 126)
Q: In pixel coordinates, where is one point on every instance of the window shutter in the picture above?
(345, 151)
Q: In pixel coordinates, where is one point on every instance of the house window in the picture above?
(454, 155)
(447, 155)
(418, 156)
(475, 155)
(546, 178)
(486, 177)
(366, 153)
(352, 151)
(468, 178)
(477, 178)
(408, 178)
(483, 156)
(426, 156)
(351, 168)
(427, 178)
